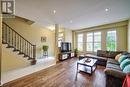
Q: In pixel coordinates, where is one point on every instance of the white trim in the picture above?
(18, 73)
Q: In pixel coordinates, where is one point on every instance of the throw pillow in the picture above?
(128, 55)
(122, 57)
(125, 53)
(117, 56)
(127, 69)
(124, 63)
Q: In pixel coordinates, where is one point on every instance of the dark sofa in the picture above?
(102, 56)
(114, 74)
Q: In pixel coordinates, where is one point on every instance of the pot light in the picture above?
(51, 27)
(71, 21)
(54, 11)
(106, 9)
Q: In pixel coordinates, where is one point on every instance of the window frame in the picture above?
(93, 41)
(89, 42)
(97, 41)
(80, 42)
(114, 41)
(60, 38)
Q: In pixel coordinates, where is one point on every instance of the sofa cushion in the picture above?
(101, 53)
(94, 56)
(115, 73)
(127, 69)
(112, 54)
(124, 63)
(113, 61)
(113, 66)
(128, 55)
(123, 57)
(125, 53)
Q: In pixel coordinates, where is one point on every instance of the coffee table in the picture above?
(87, 66)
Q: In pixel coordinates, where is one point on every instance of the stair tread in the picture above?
(15, 43)
(4, 42)
(20, 53)
(25, 56)
(9, 47)
(30, 58)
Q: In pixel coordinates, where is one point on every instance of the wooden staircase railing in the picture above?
(18, 42)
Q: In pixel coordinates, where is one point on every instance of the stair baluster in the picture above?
(12, 38)
(15, 42)
(18, 42)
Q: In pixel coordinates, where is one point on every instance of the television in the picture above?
(65, 47)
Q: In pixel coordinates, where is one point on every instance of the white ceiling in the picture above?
(83, 13)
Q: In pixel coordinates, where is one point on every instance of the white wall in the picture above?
(11, 60)
(68, 37)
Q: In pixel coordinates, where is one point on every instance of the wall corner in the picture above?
(128, 35)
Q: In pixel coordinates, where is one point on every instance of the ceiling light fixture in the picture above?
(106, 9)
(54, 11)
(71, 21)
(51, 27)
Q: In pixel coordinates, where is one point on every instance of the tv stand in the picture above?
(65, 55)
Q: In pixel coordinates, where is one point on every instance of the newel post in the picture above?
(34, 55)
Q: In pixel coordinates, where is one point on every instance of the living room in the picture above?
(65, 43)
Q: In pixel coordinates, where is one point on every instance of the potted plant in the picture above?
(45, 50)
(75, 52)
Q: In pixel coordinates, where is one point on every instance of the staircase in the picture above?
(19, 44)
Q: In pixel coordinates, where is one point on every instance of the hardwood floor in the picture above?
(62, 74)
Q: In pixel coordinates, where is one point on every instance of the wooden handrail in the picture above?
(17, 33)
(18, 42)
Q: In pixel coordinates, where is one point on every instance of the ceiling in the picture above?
(73, 14)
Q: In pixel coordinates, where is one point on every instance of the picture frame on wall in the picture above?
(43, 39)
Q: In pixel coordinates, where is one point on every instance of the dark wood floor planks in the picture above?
(62, 74)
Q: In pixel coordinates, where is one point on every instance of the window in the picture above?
(97, 41)
(80, 42)
(59, 41)
(89, 41)
(111, 40)
(60, 38)
(93, 41)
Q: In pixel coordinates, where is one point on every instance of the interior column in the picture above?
(56, 41)
(0, 43)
